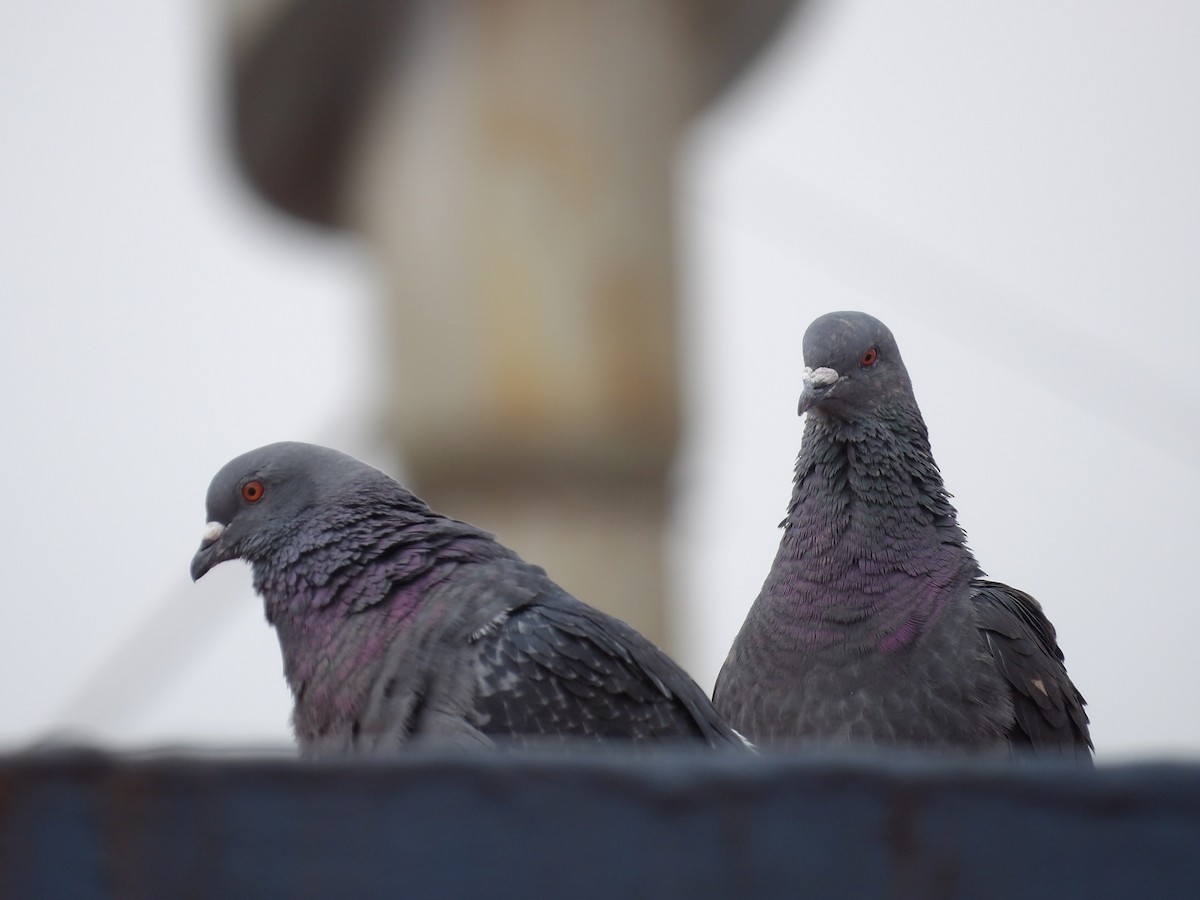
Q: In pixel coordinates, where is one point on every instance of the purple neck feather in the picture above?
(872, 552)
(347, 589)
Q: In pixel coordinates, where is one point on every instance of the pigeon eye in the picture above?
(869, 358)
(252, 491)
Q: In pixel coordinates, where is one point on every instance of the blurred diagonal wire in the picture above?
(155, 653)
(956, 300)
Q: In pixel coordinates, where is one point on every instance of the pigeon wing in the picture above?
(557, 667)
(1049, 710)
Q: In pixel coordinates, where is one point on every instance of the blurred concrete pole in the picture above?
(509, 162)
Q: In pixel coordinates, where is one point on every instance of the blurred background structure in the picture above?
(1013, 190)
(509, 167)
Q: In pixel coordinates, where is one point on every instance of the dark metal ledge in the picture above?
(86, 824)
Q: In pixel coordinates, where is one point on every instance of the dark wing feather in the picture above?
(1049, 714)
(499, 653)
(556, 667)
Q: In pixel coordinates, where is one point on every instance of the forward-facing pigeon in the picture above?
(875, 624)
(398, 623)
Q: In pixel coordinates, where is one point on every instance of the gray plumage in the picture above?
(875, 624)
(397, 623)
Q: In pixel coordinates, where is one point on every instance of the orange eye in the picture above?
(252, 491)
(869, 358)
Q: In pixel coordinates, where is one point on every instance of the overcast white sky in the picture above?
(1014, 190)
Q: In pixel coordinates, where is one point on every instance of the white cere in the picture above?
(820, 377)
(212, 531)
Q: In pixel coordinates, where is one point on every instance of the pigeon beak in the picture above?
(211, 550)
(817, 384)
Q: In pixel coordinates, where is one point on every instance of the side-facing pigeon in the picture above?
(398, 623)
(875, 624)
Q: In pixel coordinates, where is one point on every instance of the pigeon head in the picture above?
(853, 368)
(257, 500)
